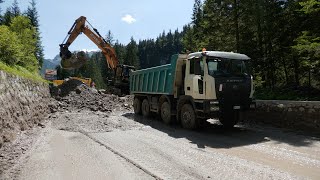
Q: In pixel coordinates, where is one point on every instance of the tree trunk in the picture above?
(296, 70)
(285, 70)
(236, 24)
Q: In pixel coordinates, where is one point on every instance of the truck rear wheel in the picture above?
(145, 108)
(137, 106)
(188, 117)
(166, 113)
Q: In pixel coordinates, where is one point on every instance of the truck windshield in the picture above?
(228, 67)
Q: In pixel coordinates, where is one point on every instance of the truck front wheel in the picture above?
(166, 113)
(137, 106)
(188, 117)
(145, 108)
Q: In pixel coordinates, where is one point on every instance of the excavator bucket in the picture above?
(72, 60)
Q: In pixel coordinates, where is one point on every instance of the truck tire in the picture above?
(145, 108)
(166, 113)
(188, 117)
(137, 106)
(229, 118)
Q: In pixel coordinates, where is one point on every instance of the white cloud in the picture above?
(128, 19)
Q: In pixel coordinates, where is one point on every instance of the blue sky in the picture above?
(141, 19)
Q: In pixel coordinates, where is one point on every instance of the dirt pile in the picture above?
(87, 109)
(82, 97)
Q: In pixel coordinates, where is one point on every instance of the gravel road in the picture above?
(120, 145)
(100, 138)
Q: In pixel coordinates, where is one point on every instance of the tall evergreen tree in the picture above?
(307, 45)
(15, 8)
(109, 38)
(196, 22)
(6, 19)
(32, 13)
(120, 50)
(1, 18)
(132, 54)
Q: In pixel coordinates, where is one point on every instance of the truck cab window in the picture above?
(196, 66)
(227, 67)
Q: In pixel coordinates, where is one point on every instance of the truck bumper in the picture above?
(211, 108)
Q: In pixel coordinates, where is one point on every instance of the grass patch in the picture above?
(22, 72)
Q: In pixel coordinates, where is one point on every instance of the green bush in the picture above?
(18, 44)
(10, 46)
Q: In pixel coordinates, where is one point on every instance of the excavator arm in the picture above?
(79, 27)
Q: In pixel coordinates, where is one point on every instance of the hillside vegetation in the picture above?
(21, 52)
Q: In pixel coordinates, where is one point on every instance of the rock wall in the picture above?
(301, 115)
(23, 105)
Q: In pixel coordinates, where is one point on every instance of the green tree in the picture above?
(32, 13)
(95, 71)
(308, 43)
(15, 8)
(26, 33)
(109, 38)
(1, 18)
(120, 50)
(6, 19)
(10, 46)
(131, 57)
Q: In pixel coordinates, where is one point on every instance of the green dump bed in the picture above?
(155, 80)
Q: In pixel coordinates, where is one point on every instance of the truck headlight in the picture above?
(214, 102)
(214, 108)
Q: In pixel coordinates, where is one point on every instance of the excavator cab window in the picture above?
(125, 72)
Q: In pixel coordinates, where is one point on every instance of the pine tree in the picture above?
(1, 18)
(109, 38)
(197, 13)
(15, 8)
(120, 50)
(307, 45)
(132, 54)
(6, 19)
(32, 13)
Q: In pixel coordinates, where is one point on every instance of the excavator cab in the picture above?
(121, 78)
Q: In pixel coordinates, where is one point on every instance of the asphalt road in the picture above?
(85, 145)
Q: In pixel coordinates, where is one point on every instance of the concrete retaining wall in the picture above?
(302, 115)
(23, 105)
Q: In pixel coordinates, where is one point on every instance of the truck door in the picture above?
(194, 79)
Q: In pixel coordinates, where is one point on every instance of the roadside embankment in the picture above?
(300, 115)
(23, 105)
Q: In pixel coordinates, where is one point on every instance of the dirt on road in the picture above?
(92, 135)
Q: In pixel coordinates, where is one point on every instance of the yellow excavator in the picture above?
(120, 80)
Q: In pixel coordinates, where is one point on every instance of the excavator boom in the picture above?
(80, 26)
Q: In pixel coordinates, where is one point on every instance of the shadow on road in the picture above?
(216, 136)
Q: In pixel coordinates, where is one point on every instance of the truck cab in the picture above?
(195, 87)
(220, 84)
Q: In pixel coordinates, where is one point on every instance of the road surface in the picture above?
(88, 145)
